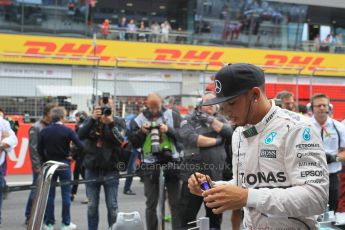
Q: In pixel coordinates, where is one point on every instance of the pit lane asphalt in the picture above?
(14, 206)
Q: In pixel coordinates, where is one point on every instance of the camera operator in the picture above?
(203, 133)
(102, 137)
(156, 125)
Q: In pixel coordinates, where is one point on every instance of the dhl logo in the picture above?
(308, 62)
(87, 50)
(193, 56)
(181, 56)
(67, 49)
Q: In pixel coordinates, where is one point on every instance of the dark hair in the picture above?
(48, 107)
(318, 96)
(302, 108)
(81, 113)
(172, 100)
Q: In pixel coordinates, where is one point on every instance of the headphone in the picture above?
(310, 107)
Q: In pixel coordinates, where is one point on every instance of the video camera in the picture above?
(106, 110)
(62, 101)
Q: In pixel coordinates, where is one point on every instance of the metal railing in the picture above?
(42, 192)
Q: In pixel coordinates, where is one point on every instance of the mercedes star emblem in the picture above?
(218, 86)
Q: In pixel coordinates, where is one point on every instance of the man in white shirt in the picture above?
(333, 135)
(8, 141)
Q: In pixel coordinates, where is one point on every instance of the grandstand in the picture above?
(219, 31)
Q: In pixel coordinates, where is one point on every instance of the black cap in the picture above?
(234, 80)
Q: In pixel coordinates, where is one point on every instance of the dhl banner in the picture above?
(74, 51)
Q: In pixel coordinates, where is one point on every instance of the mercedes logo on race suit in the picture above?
(218, 86)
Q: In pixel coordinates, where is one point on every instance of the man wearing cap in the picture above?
(279, 165)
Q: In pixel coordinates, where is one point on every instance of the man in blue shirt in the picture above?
(54, 144)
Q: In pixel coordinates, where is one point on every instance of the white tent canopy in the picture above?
(62, 90)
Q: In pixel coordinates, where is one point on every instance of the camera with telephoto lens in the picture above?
(155, 139)
(106, 110)
(163, 154)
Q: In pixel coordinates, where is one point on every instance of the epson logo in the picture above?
(262, 177)
(312, 173)
(308, 146)
(268, 153)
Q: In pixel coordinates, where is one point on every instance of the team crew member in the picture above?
(279, 165)
(287, 101)
(203, 143)
(333, 135)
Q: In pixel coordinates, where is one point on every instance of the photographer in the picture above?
(153, 130)
(102, 137)
(203, 133)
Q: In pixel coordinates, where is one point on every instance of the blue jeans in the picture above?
(130, 169)
(31, 195)
(92, 192)
(63, 175)
(122, 35)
